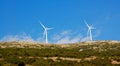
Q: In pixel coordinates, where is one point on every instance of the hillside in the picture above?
(97, 53)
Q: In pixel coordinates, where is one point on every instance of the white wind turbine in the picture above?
(45, 32)
(89, 30)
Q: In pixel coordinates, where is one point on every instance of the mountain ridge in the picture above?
(24, 44)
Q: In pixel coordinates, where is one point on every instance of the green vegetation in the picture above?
(53, 55)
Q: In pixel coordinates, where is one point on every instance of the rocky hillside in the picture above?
(42, 45)
(97, 53)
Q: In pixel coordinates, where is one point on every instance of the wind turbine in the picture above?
(45, 32)
(89, 30)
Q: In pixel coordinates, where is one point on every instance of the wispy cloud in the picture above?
(85, 39)
(66, 37)
(97, 33)
(40, 39)
(60, 35)
(65, 32)
(23, 37)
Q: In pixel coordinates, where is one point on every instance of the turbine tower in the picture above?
(45, 32)
(89, 30)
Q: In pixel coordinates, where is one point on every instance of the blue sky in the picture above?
(19, 19)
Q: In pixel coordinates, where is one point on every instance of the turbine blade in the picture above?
(42, 25)
(49, 28)
(86, 23)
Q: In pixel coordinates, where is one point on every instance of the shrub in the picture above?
(13, 60)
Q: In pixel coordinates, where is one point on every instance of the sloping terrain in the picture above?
(97, 53)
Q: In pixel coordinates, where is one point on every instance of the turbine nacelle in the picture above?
(45, 28)
(91, 27)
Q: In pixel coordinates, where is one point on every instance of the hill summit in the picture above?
(24, 44)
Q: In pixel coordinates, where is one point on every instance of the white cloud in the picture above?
(22, 37)
(85, 39)
(63, 37)
(40, 39)
(69, 37)
(97, 33)
(66, 37)
(57, 37)
(63, 40)
(76, 39)
(66, 32)
(10, 38)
